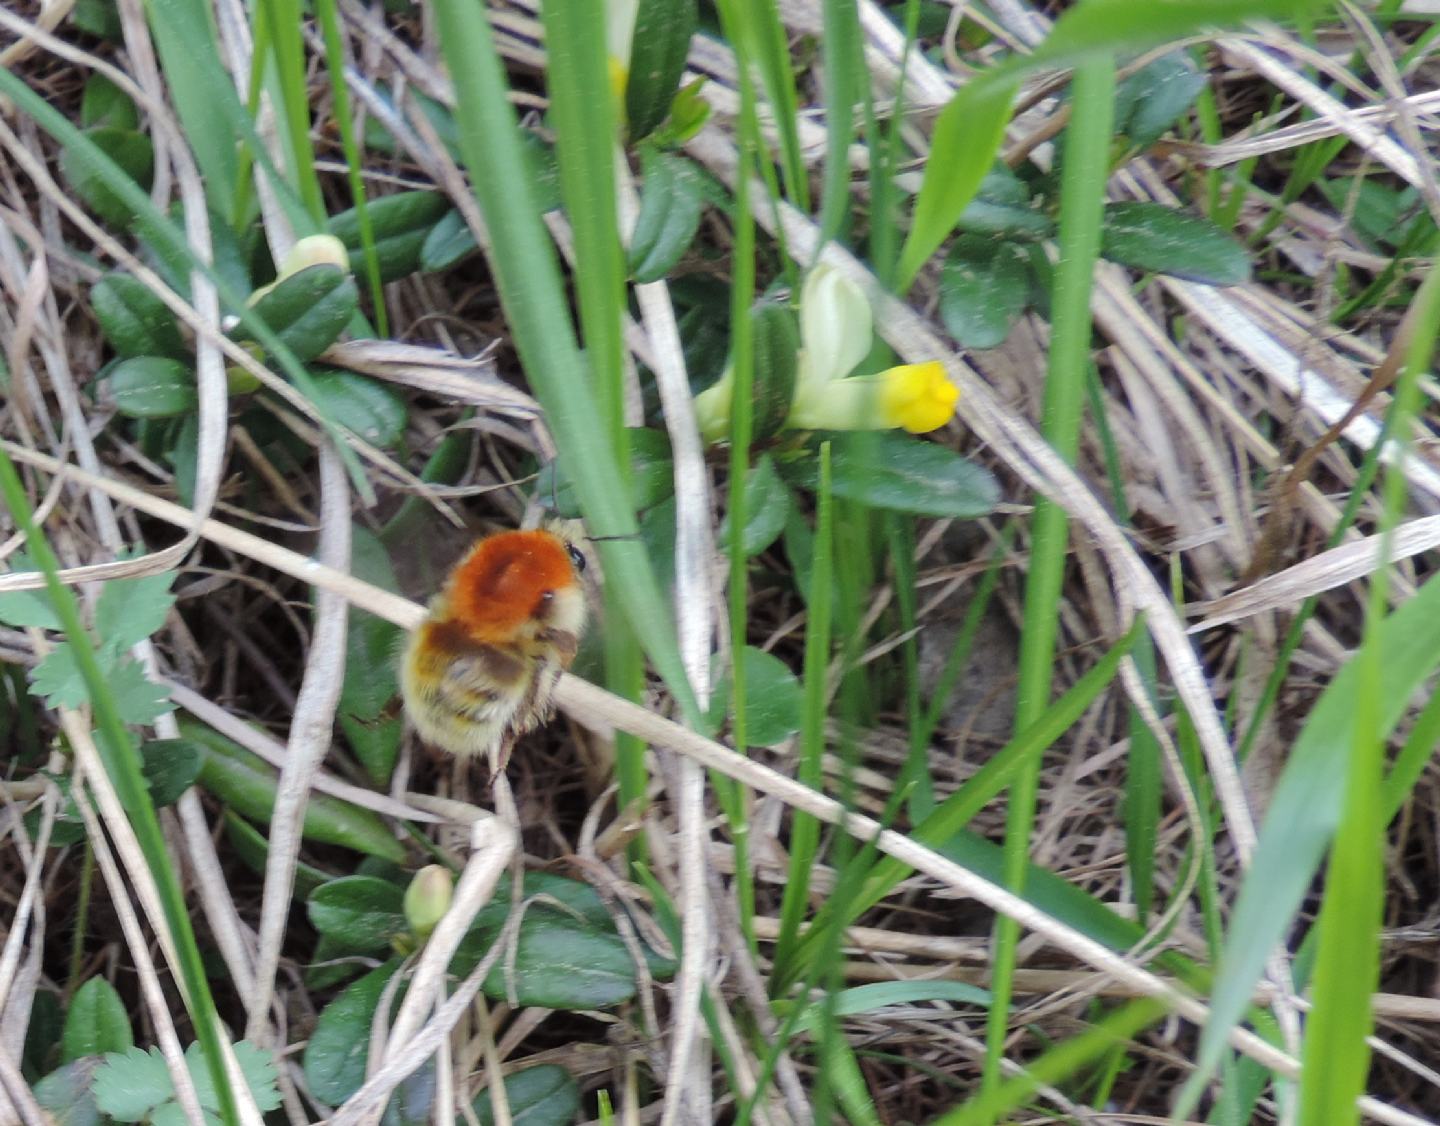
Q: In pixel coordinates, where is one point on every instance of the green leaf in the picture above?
(138, 698)
(171, 767)
(537, 1096)
(104, 103)
(984, 288)
(963, 147)
(95, 1023)
(448, 242)
(57, 678)
(767, 507)
(1305, 811)
(1002, 206)
(362, 912)
(251, 848)
(335, 1057)
(652, 475)
(1156, 96)
(130, 610)
(100, 18)
(401, 222)
(248, 783)
(1151, 236)
(21, 608)
(131, 150)
(129, 1084)
(369, 408)
(256, 1065)
(772, 699)
(900, 473)
(658, 50)
(868, 998)
(777, 358)
(153, 387)
(670, 208)
(66, 1093)
(134, 320)
(309, 309)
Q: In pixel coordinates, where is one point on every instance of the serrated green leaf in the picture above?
(22, 608)
(362, 912)
(369, 408)
(767, 507)
(772, 699)
(95, 1023)
(128, 1085)
(171, 767)
(671, 203)
(401, 223)
(66, 1094)
(153, 387)
(130, 610)
(104, 103)
(984, 287)
(138, 698)
(130, 149)
(57, 678)
(1151, 236)
(309, 309)
(256, 1065)
(134, 320)
(658, 49)
(537, 1096)
(335, 1057)
(894, 471)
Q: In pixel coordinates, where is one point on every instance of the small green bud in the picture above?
(427, 899)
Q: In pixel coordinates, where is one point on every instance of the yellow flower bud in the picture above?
(315, 250)
(918, 397)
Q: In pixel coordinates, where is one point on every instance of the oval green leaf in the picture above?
(134, 320)
(1156, 96)
(670, 208)
(372, 410)
(772, 699)
(658, 49)
(153, 387)
(401, 223)
(767, 507)
(537, 1096)
(95, 1023)
(1002, 206)
(335, 1057)
(362, 912)
(448, 242)
(903, 474)
(104, 103)
(652, 475)
(131, 150)
(777, 357)
(984, 287)
(1151, 236)
(309, 309)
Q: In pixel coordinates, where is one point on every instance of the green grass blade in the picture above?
(1082, 193)
(287, 47)
(121, 756)
(1336, 1056)
(533, 295)
(329, 18)
(765, 45)
(844, 72)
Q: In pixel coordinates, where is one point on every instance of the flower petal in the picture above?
(919, 397)
(836, 327)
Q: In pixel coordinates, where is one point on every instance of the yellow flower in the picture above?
(918, 397)
(619, 35)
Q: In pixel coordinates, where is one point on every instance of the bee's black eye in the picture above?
(576, 557)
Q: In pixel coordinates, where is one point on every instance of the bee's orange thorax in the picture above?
(502, 583)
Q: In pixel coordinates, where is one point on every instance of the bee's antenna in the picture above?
(611, 539)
